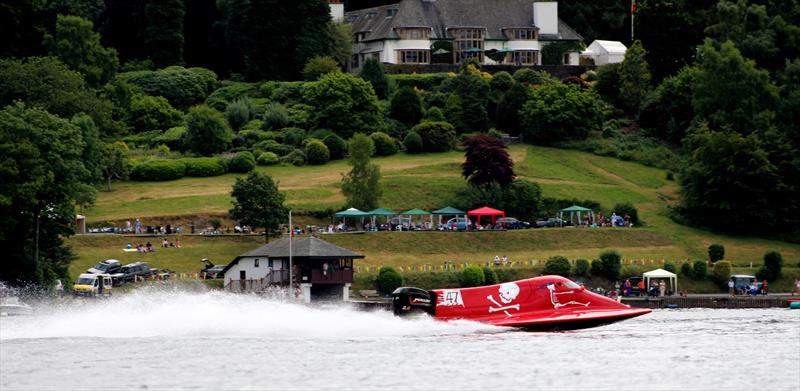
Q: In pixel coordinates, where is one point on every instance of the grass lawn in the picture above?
(429, 181)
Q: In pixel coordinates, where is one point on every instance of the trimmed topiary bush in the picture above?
(557, 265)
(582, 268)
(699, 270)
(384, 144)
(597, 268)
(274, 147)
(670, 267)
(295, 158)
(316, 152)
(388, 280)
(268, 159)
(242, 162)
(158, 170)
(436, 136)
(203, 166)
(489, 276)
(293, 136)
(413, 142)
(686, 269)
(336, 146)
(612, 263)
(716, 252)
(721, 272)
(771, 270)
(472, 276)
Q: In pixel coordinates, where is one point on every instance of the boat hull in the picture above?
(540, 303)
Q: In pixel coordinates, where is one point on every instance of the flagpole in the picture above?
(291, 234)
(633, 15)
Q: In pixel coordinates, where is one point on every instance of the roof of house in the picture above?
(309, 247)
(302, 247)
(441, 15)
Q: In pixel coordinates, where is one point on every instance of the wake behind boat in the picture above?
(540, 303)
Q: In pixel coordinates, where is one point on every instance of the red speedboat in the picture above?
(540, 303)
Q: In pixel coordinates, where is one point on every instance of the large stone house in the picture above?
(449, 31)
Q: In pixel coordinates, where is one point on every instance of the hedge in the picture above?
(158, 170)
(422, 81)
(203, 166)
(173, 138)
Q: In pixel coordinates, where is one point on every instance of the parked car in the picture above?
(132, 271)
(457, 223)
(109, 266)
(211, 270)
(512, 223)
(551, 222)
(93, 285)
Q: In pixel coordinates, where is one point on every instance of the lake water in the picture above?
(175, 339)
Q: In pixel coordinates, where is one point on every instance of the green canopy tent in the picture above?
(573, 210)
(449, 211)
(380, 212)
(352, 212)
(417, 212)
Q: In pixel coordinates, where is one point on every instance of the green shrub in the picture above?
(406, 106)
(699, 270)
(173, 138)
(203, 166)
(721, 272)
(716, 252)
(557, 265)
(254, 125)
(242, 162)
(597, 268)
(413, 142)
(771, 270)
(472, 276)
(293, 136)
(148, 113)
(501, 81)
(182, 87)
(336, 146)
(275, 117)
(207, 132)
(529, 76)
(268, 159)
(384, 144)
(320, 134)
(230, 91)
(436, 136)
(274, 147)
(239, 112)
(420, 81)
(388, 280)
(612, 263)
(627, 208)
(670, 267)
(434, 114)
(557, 112)
(582, 268)
(158, 170)
(686, 269)
(318, 66)
(295, 158)
(316, 152)
(489, 276)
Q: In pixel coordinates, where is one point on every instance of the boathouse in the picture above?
(320, 270)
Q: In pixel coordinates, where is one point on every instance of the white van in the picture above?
(93, 285)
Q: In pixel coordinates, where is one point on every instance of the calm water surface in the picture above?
(194, 340)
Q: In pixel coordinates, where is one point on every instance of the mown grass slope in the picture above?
(429, 181)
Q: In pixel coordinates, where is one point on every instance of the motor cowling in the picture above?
(409, 300)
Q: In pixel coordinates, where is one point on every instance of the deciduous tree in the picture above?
(486, 162)
(361, 186)
(258, 203)
(207, 132)
(77, 45)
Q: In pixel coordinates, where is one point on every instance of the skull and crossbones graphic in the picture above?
(507, 293)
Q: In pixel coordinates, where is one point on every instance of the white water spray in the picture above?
(156, 312)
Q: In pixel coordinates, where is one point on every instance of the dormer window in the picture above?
(371, 14)
(413, 33)
(391, 12)
(521, 34)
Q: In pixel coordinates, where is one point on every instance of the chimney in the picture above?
(545, 17)
(337, 10)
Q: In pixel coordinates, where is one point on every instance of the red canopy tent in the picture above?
(486, 211)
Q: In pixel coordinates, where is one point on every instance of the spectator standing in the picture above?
(731, 288)
(764, 288)
(662, 288)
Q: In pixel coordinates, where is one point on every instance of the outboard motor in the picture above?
(407, 300)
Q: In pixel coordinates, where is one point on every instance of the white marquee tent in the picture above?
(661, 274)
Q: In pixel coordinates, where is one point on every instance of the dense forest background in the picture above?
(709, 90)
